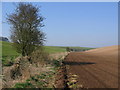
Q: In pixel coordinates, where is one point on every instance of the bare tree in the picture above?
(26, 23)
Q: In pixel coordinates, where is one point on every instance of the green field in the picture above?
(9, 53)
(8, 50)
(54, 49)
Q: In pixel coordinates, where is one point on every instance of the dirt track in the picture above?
(96, 68)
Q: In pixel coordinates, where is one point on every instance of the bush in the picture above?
(39, 56)
(67, 49)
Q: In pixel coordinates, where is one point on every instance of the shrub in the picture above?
(39, 56)
(67, 49)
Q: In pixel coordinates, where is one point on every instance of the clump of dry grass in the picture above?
(39, 57)
(23, 68)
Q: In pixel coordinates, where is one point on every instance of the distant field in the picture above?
(54, 49)
(8, 50)
(9, 53)
(82, 48)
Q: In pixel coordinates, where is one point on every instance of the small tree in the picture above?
(26, 23)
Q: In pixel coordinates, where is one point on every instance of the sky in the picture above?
(85, 24)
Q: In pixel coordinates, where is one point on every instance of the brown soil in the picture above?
(61, 78)
(97, 68)
(61, 75)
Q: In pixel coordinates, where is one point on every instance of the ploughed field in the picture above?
(96, 68)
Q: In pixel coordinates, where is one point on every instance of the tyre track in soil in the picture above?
(103, 73)
(106, 79)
